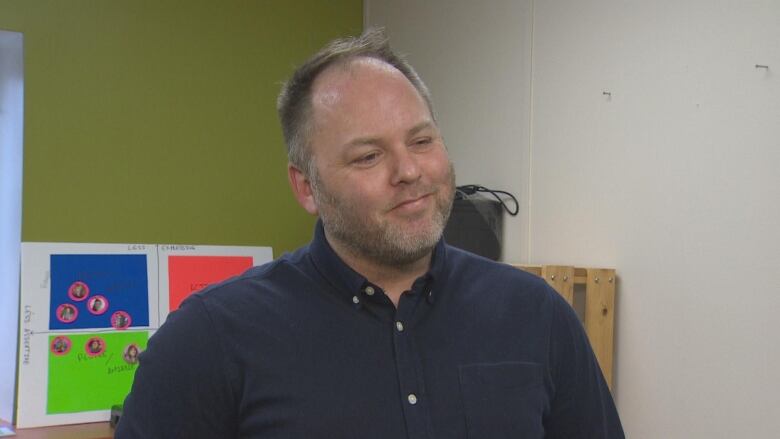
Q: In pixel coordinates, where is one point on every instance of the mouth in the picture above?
(412, 204)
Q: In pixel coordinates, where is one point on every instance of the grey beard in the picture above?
(384, 244)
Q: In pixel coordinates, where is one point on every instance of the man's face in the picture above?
(383, 183)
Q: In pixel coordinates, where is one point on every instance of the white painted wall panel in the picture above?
(675, 182)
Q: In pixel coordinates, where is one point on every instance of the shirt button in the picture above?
(355, 300)
(399, 326)
(369, 290)
(412, 398)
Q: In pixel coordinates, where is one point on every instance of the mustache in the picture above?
(411, 195)
(423, 189)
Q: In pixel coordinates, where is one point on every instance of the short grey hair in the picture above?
(294, 101)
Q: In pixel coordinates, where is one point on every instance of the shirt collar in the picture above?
(348, 283)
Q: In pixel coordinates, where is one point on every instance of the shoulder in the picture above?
(262, 293)
(260, 283)
(463, 261)
(487, 278)
(277, 270)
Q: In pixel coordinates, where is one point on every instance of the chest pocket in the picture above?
(503, 400)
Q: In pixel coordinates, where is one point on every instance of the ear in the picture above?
(301, 188)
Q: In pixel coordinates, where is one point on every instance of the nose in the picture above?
(407, 167)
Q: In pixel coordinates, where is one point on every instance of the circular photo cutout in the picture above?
(60, 345)
(66, 313)
(95, 346)
(97, 305)
(78, 291)
(131, 354)
(120, 320)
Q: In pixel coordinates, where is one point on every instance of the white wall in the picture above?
(674, 181)
(11, 114)
(487, 45)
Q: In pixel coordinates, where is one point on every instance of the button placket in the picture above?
(407, 362)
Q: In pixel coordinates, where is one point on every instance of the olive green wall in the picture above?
(154, 121)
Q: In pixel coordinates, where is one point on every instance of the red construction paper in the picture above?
(188, 274)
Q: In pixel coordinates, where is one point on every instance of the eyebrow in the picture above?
(420, 127)
(359, 141)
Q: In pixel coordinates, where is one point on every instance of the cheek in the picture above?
(362, 195)
(439, 167)
(371, 198)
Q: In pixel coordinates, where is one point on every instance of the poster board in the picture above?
(88, 310)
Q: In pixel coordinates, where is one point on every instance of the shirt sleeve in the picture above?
(181, 388)
(582, 405)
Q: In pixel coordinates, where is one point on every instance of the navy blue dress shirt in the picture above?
(305, 347)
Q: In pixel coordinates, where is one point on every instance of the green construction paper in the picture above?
(79, 382)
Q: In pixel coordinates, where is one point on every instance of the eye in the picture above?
(422, 142)
(367, 159)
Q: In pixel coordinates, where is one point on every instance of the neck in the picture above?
(394, 279)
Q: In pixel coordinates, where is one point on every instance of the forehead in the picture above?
(344, 74)
(363, 89)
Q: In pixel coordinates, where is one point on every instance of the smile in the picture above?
(412, 204)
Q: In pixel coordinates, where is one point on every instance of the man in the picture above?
(377, 329)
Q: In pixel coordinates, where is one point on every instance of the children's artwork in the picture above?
(88, 310)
